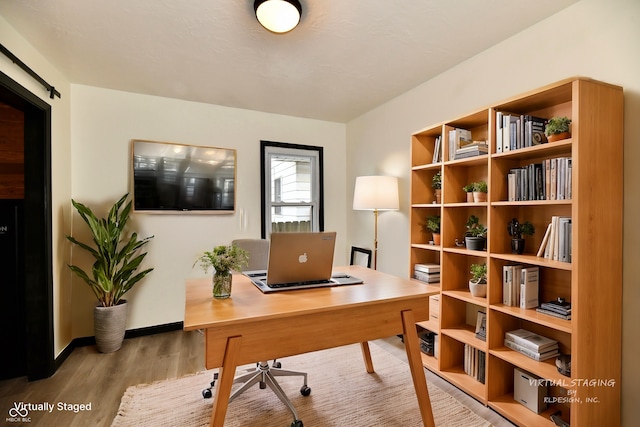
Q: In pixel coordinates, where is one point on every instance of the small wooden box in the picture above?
(434, 308)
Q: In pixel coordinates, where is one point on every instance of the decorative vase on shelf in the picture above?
(222, 284)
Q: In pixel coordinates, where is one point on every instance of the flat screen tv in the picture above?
(169, 177)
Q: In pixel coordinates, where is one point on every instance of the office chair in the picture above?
(258, 250)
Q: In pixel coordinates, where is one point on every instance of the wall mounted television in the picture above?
(169, 177)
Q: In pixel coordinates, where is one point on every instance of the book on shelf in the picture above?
(426, 277)
(529, 284)
(554, 313)
(531, 340)
(457, 138)
(474, 363)
(427, 268)
(498, 131)
(481, 326)
(472, 149)
(511, 285)
(560, 306)
(534, 131)
(437, 150)
(537, 356)
(545, 239)
(557, 241)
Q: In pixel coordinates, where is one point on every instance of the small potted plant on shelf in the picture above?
(433, 225)
(436, 184)
(557, 128)
(475, 237)
(480, 190)
(478, 281)
(516, 231)
(469, 190)
(223, 259)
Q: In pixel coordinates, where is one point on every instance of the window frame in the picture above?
(265, 146)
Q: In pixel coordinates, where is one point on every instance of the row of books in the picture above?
(428, 273)
(475, 362)
(558, 308)
(515, 131)
(547, 180)
(556, 243)
(532, 345)
(437, 150)
(520, 286)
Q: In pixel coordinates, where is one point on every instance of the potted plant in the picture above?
(436, 184)
(516, 231)
(223, 259)
(480, 190)
(433, 225)
(557, 128)
(476, 234)
(117, 257)
(478, 281)
(469, 190)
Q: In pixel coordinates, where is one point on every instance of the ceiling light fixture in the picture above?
(278, 16)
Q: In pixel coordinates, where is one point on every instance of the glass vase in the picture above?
(222, 285)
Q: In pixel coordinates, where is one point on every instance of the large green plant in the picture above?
(117, 257)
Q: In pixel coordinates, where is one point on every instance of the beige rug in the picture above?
(342, 394)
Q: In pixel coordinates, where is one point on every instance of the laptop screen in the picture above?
(300, 257)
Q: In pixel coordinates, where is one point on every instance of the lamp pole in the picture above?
(375, 239)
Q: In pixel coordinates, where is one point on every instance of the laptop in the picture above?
(300, 261)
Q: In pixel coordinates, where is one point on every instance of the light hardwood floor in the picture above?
(88, 376)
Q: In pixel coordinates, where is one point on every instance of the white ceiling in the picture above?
(345, 58)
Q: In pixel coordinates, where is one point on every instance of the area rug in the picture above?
(342, 394)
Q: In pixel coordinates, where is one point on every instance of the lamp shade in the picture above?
(278, 16)
(376, 193)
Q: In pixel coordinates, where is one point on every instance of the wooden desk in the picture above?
(251, 326)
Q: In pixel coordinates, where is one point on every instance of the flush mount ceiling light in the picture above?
(278, 16)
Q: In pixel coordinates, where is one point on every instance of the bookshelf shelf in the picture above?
(596, 111)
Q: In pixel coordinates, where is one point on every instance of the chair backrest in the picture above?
(258, 250)
(360, 256)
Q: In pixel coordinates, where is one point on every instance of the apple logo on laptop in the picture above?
(302, 258)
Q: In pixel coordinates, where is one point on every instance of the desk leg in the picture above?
(366, 354)
(417, 370)
(223, 388)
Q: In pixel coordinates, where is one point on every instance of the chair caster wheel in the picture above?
(263, 385)
(297, 423)
(277, 365)
(305, 390)
(206, 393)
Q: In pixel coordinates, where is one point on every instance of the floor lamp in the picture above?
(376, 193)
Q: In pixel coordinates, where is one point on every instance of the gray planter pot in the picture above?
(109, 325)
(475, 243)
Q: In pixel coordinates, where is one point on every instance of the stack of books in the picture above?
(475, 148)
(556, 242)
(428, 273)
(531, 344)
(558, 308)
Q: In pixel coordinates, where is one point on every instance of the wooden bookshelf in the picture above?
(592, 281)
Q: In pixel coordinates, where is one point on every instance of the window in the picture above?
(292, 188)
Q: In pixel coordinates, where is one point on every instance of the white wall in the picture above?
(60, 163)
(103, 124)
(594, 38)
